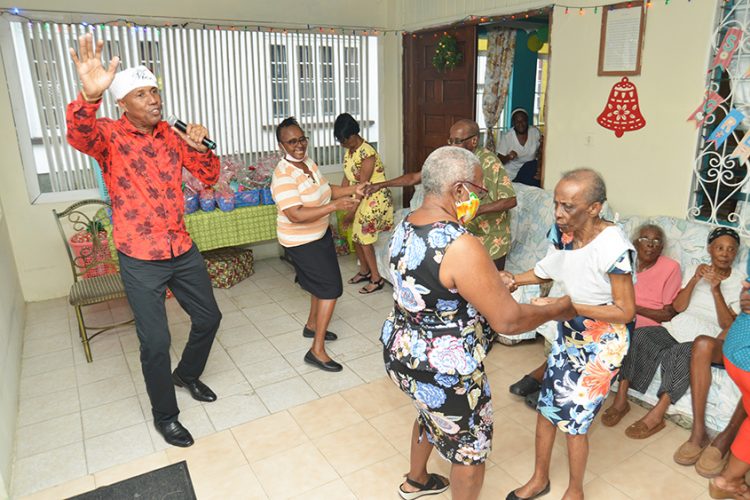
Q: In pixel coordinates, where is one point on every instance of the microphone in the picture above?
(182, 127)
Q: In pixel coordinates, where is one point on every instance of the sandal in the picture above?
(435, 484)
(639, 430)
(378, 286)
(612, 415)
(359, 278)
(715, 491)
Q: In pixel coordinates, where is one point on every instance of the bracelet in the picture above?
(88, 99)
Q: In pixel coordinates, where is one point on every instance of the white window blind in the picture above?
(238, 83)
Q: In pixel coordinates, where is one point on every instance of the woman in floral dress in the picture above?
(593, 260)
(375, 214)
(436, 338)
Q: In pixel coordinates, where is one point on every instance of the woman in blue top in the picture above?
(448, 299)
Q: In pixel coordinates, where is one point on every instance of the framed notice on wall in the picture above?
(623, 26)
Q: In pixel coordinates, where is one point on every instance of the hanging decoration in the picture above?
(447, 56)
(729, 45)
(100, 20)
(706, 108)
(622, 113)
(534, 43)
(726, 127)
(742, 151)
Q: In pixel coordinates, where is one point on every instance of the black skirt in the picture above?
(317, 267)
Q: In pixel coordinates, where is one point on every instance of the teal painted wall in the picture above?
(524, 76)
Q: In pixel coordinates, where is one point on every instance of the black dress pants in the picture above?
(145, 283)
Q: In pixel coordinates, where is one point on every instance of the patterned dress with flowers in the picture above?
(375, 213)
(493, 228)
(434, 345)
(587, 354)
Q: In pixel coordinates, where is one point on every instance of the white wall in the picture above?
(648, 172)
(42, 266)
(12, 314)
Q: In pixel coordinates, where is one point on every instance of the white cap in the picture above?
(129, 79)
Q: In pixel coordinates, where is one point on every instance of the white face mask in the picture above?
(290, 158)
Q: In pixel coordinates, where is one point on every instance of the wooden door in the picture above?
(434, 100)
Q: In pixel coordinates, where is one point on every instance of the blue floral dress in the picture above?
(434, 344)
(587, 354)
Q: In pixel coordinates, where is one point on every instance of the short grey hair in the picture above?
(596, 190)
(650, 225)
(445, 167)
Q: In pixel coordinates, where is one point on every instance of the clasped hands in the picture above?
(350, 203)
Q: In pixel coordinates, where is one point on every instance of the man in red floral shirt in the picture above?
(141, 158)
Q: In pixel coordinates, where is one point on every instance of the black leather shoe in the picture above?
(175, 434)
(198, 389)
(525, 386)
(512, 495)
(329, 366)
(307, 333)
(531, 400)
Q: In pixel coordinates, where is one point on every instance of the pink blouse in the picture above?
(656, 287)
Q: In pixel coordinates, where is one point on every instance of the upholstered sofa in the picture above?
(686, 243)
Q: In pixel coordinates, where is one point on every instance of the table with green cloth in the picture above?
(238, 227)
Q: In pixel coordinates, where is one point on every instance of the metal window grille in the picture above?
(720, 189)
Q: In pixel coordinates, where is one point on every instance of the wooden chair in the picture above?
(86, 230)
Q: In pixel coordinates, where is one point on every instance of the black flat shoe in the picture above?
(531, 400)
(329, 366)
(512, 495)
(308, 334)
(175, 434)
(525, 386)
(198, 389)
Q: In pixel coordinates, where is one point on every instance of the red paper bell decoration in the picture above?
(622, 112)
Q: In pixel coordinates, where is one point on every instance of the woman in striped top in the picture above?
(304, 200)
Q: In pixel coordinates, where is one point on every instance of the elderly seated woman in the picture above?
(448, 295)
(705, 306)
(658, 281)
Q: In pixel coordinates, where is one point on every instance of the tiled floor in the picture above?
(280, 428)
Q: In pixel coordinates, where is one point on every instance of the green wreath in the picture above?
(446, 55)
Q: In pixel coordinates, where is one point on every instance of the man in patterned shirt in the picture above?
(141, 159)
(492, 223)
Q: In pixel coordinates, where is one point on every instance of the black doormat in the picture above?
(169, 483)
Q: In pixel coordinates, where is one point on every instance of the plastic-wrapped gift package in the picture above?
(228, 266)
(247, 198)
(266, 197)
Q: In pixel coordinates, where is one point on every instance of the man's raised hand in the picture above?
(94, 78)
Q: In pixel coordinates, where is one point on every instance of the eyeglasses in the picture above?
(452, 141)
(297, 140)
(480, 191)
(656, 242)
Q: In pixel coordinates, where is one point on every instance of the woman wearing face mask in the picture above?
(593, 260)
(448, 299)
(304, 200)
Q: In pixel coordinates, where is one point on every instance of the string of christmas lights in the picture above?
(32, 15)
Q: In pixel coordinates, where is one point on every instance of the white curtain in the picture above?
(501, 49)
